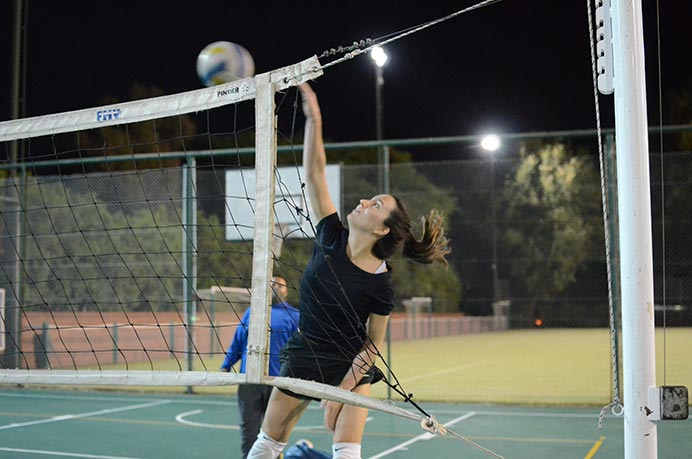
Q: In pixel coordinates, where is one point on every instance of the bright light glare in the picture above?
(491, 142)
(378, 55)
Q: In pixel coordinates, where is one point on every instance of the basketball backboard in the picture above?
(240, 203)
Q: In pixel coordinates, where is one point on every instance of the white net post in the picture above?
(265, 159)
(634, 206)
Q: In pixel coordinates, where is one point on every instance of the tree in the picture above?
(221, 262)
(679, 111)
(86, 248)
(420, 194)
(438, 282)
(551, 204)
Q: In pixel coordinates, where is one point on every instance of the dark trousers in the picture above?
(252, 401)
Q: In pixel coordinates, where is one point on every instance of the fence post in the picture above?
(189, 252)
(212, 322)
(116, 346)
(171, 334)
(42, 347)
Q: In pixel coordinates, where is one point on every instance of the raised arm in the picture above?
(314, 158)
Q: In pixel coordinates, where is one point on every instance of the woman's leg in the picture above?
(282, 415)
(348, 434)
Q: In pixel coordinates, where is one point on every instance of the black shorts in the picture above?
(316, 363)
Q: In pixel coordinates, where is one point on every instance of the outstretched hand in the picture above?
(311, 108)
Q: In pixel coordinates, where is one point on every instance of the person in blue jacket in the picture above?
(253, 398)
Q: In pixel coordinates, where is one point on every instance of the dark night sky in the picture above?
(519, 65)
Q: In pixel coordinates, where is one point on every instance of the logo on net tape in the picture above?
(227, 92)
(108, 115)
(234, 90)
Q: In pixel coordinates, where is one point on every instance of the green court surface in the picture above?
(107, 425)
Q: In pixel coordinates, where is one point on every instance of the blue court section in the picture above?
(105, 425)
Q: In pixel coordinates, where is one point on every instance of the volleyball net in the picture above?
(102, 234)
(109, 263)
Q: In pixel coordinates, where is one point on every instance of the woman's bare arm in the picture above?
(314, 157)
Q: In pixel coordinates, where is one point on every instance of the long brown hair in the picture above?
(431, 247)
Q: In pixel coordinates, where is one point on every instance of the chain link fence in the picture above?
(526, 229)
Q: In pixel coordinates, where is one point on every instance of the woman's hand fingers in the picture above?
(311, 108)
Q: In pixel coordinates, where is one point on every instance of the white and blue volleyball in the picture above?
(222, 62)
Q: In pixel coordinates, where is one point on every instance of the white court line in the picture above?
(447, 370)
(114, 399)
(67, 417)
(543, 414)
(58, 453)
(181, 419)
(125, 399)
(451, 412)
(425, 436)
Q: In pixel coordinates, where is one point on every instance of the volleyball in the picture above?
(222, 62)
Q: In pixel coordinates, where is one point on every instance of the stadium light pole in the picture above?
(490, 143)
(379, 57)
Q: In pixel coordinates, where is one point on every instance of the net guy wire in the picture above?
(615, 404)
(663, 189)
(357, 47)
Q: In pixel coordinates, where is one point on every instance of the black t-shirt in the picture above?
(336, 296)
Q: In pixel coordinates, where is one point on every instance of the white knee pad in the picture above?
(346, 451)
(265, 447)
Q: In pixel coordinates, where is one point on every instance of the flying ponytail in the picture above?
(432, 247)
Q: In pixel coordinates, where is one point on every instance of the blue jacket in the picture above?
(284, 322)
